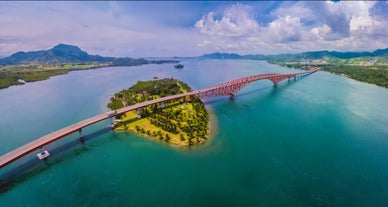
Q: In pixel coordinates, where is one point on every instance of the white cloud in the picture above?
(234, 31)
(322, 32)
(302, 26)
(105, 28)
(296, 9)
(285, 29)
(348, 20)
(236, 21)
(238, 31)
(128, 29)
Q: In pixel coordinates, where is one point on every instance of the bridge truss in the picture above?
(229, 88)
(232, 87)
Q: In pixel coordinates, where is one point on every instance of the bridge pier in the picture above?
(162, 105)
(138, 113)
(231, 96)
(224, 89)
(112, 124)
(81, 136)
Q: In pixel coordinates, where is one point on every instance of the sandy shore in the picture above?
(213, 124)
(213, 130)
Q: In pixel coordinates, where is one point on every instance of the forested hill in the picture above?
(59, 54)
(328, 55)
(300, 56)
(69, 54)
(218, 55)
(370, 67)
(23, 67)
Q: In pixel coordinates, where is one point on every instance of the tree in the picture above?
(182, 137)
(168, 137)
(173, 119)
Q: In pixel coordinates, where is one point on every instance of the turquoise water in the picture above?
(318, 141)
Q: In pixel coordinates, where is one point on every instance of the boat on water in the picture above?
(179, 66)
(43, 154)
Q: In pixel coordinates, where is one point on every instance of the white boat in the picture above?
(43, 154)
(22, 81)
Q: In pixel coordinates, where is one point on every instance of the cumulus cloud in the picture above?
(236, 21)
(238, 30)
(322, 32)
(285, 29)
(346, 19)
(112, 29)
(335, 16)
(234, 31)
(303, 26)
(193, 28)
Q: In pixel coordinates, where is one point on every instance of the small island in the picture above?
(182, 122)
(179, 66)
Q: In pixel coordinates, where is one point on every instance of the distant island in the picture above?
(314, 55)
(23, 67)
(182, 122)
(219, 55)
(370, 67)
(179, 66)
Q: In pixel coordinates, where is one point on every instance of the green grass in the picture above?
(182, 124)
(356, 69)
(129, 121)
(10, 74)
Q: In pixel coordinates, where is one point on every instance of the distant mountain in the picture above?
(218, 55)
(299, 56)
(331, 54)
(381, 52)
(129, 61)
(59, 54)
(61, 59)
(255, 57)
(69, 54)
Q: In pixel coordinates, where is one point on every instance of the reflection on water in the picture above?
(317, 141)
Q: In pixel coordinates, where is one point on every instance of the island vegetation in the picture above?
(369, 70)
(182, 122)
(22, 67)
(20, 74)
(370, 67)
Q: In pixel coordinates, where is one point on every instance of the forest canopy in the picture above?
(183, 122)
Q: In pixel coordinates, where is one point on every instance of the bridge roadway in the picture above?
(228, 88)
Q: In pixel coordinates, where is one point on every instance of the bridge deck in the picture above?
(49, 138)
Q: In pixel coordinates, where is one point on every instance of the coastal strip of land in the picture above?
(183, 122)
(366, 71)
(23, 67)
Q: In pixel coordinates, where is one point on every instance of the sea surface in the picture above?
(318, 141)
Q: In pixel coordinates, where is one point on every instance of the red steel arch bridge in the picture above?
(229, 88)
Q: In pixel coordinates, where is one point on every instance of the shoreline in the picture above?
(212, 126)
(184, 121)
(48, 73)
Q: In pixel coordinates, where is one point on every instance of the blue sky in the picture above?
(162, 29)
